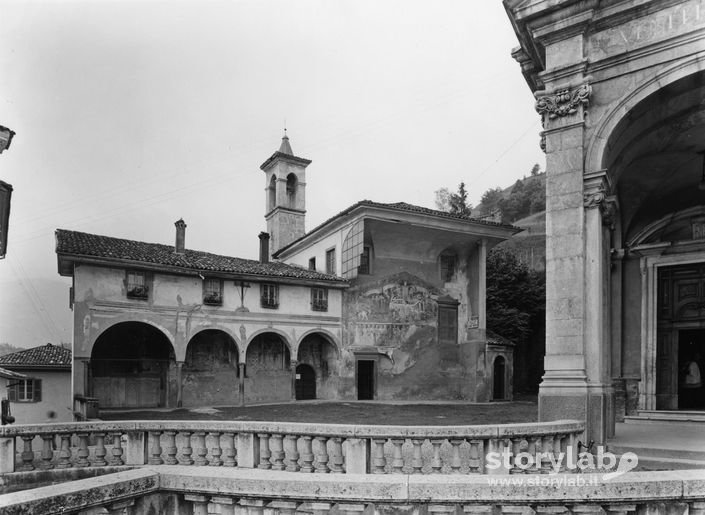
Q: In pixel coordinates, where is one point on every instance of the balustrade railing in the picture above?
(293, 447)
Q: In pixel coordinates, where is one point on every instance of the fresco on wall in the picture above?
(388, 311)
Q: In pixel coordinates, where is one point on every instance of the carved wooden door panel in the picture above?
(667, 370)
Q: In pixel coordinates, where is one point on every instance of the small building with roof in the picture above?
(381, 301)
(38, 384)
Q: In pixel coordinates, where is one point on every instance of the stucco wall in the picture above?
(56, 398)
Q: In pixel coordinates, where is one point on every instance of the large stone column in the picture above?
(179, 384)
(241, 383)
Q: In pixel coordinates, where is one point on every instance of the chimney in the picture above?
(180, 236)
(264, 247)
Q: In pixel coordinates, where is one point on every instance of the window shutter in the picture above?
(37, 390)
(12, 393)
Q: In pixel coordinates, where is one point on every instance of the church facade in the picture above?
(620, 89)
(382, 301)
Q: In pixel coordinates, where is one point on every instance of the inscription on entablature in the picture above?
(648, 29)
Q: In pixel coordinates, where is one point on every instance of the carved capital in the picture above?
(563, 102)
(610, 209)
(596, 188)
(542, 142)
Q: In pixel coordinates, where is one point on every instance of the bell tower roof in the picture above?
(285, 153)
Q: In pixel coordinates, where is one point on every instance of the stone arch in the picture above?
(272, 193)
(324, 332)
(130, 318)
(217, 327)
(499, 383)
(210, 371)
(268, 374)
(318, 350)
(133, 365)
(292, 187)
(283, 334)
(597, 146)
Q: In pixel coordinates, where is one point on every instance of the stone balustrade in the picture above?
(292, 447)
(187, 490)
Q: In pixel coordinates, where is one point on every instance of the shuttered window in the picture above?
(25, 390)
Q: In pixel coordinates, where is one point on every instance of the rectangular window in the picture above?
(213, 292)
(447, 324)
(364, 267)
(447, 267)
(330, 261)
(25, 390)
(137, 287)
(269, 295)
(319, 299)
(312, 264)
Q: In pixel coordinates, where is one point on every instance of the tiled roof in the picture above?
(93, 245)
(401, 206)
(46, 356)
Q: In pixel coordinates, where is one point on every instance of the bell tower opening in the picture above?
(285, 195)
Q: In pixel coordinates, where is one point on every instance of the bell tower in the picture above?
(285, 195)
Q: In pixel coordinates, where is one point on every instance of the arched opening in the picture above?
(272, 193)
(319, 353)
(210, 373)
(655, 159)
(305, 383)
(499, 392)
(132, 366)
(268, 369)
(291, 187)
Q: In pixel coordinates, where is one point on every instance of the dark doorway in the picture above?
(365, 380)
(498, 393)
(305, 383)
(691, 394)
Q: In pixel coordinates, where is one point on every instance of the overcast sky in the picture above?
(130, 115)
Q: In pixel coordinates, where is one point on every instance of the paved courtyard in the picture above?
(524, 410)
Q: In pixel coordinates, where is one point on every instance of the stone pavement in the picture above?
(662, 445)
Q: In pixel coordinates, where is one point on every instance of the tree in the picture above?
(491, 200)
(455, 203)
(516, 296)
(535, 170)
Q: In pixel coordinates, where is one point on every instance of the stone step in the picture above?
(666, 417)
(653, 452)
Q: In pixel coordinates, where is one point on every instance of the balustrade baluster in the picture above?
(479, 509)
(47, 452)
(155, 448)
(516, 449)
(397, 459)
(534, 450)
(170, 448)
(198, 502)
(322, 455)
(694, 508)
(116, 451)
(292, 453)
(264, 452)
(307, 456)
(474, 463)
(253, 506)
(229, 451)
(121, 507)
(216, 450)
(83, 451)
(547, 454)
(226, 505)
(27, 453)
(350, 508)
(379, 462)
(455, 455)
(201, 449)
(276, 445)
(65, 452)
(416, 460)
(557, 450)
(186, 450)
(436, 463)
(321, 508)
(100, 451)
(336, 456)
(551, 510)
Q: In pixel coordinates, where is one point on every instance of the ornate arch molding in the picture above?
(598, 142)
(653, 228)
(330, 337)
